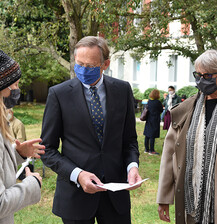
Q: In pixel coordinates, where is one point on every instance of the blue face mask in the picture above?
(87, 75)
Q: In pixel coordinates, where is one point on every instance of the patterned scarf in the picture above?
(170, 100)
(200, 165)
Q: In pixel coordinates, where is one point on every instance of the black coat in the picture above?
(152, 125)
(67, 118)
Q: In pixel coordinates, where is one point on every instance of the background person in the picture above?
(152, 125)
(171, 100)
(163, 113)
(17, 127)
(92, 152)
(188, 164)
(14, 196)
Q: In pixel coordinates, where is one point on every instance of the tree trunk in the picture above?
(67, 5)
(72, 42)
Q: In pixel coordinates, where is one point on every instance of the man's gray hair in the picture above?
(207, 62)
(92, 41)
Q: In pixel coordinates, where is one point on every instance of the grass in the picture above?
(143, 200)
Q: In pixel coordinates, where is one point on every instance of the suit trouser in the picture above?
(106, 214)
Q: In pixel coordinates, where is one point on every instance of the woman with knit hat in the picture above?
(14, 196)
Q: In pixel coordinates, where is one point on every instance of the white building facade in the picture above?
(168, 69)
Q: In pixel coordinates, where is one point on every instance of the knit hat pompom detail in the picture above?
(9, 71)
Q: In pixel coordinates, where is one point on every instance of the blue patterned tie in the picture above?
(96, 113)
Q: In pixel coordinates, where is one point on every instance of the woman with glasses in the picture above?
(188, 168)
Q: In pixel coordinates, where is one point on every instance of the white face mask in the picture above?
(171, 92)
(9, 116)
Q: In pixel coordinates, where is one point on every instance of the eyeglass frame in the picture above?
(90, 67)
(203, 75)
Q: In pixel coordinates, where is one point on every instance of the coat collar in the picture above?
(78, 99)
(182, 111)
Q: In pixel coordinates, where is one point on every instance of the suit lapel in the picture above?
(79, 100)
(110, 103)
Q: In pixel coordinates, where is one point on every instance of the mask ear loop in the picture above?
(9, 87)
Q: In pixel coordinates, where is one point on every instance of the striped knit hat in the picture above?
(9, 71)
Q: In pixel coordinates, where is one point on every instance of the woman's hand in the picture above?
(37, 175)
(29, 148)
(163, 211)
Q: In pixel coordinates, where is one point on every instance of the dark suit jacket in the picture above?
(67, 118)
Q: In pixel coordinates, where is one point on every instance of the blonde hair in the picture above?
(4, 126)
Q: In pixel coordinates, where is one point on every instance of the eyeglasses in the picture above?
(207, 76)
(89, 67)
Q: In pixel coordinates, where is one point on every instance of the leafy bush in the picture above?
(188, 91)
(137, 94)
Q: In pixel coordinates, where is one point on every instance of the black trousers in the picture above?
(149, 143)
(106, 214)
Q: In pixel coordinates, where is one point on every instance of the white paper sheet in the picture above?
(119, 186)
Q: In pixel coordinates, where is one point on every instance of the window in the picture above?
(153, 70)
(135, 85)
(136, 70)
(173, 68)
(191, 70)
(121, 68)
(138, 11)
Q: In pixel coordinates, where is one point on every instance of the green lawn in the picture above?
(144, 207)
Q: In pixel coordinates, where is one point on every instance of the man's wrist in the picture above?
(74, 175)
(131, 165)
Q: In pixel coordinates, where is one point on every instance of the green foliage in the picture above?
(128, 25)
(188, 91)
(151, 32)
(34, 65)
(137, 94)
(40, 67)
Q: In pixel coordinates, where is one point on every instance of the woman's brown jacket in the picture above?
(172, 168)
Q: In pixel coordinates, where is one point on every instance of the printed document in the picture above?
(119, 186)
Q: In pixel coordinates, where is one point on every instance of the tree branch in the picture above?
(54, 54)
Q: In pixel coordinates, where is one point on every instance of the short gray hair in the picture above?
(207, 61)
(92, 41)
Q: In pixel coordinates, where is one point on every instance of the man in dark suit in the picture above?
(92, 153)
